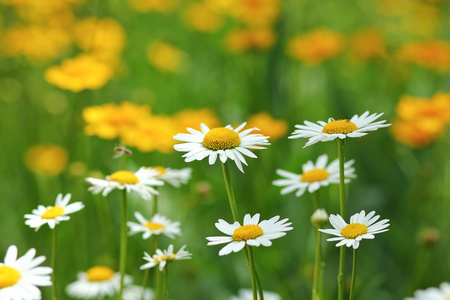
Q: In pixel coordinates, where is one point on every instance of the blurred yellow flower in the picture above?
(40, 44)
(268, 126)
(46, 159)
(437, 108)
(166, 57)
(250, 39)
(190, 118)
(417, 134)
(256, 12)
(367, 44)
(433, 54)
(161, 6)
(109, 121)
(316, 46)
(79, 73)
(200, 16)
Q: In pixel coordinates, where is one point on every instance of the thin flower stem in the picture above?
(231, 199)
(123, 243)
(352, 288)
(315, 200)
(340, 277)
(54, 293)
(252, 272)
(164, 289)
(317, 280)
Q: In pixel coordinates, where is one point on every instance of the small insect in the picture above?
(121, 150)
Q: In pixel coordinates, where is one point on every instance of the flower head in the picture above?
(20, 277)
(268, 125)
(314, 176)
(432, 293)
(223, 142)
(361, 226)
(98, 281)
(157, 225)
(141, 182)
(134, 292)
(173, 176)
(323, 132)
(52, 215)
(252, 233)
(162, 258)
(166, 57)
(245, 294)
(46, 159)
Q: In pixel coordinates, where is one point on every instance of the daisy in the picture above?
(134, 292)
(361, 226)
(20, 277)
(441, 293)
(314, 176)
(245, 294)
(52, 215)
(162, 258)
(223, 142)
(252, 233)
(355, 127)
(140, 182)
(172, 176)
(97, 282)
(157, 225)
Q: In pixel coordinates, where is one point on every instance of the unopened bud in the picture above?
(319, 218)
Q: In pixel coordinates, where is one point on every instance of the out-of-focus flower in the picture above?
(268, 125)
(432, 54)
(173, 176)
(367, 44)
(256, 12)
(41, 44)
(433, 293)
(200, 16)
(319, 218)
(134, 292)
(46, 159)
(250, 39)
(158, 225)
(437, 108)
(245, 294)
(79, 73)
(166, 57)
(161, 6)
(417, 134)
(162, 258)
(109, 121)
(189, 118)
(316, 46)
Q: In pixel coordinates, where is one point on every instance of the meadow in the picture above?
(80, 81)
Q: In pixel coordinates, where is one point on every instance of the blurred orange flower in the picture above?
(166, 57)
(46, 159)
(193, 117)
(417, 134)
(200, 16)
(367, 44)
(433, 54)
(268, 126)
(316, 46)
(256, 12)
(79, 73)
(161, 6)
(250, 39)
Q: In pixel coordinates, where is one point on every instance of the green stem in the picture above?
(252, 273)
(340, 277)
(317, 280)
(164, 288)
(231, 199)
(123, 242)
(315, 200)
(352, 288)
(54, 297)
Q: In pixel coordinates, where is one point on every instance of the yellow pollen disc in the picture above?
(161, 170)
(221, 138)
(154, 226)
(124, 177)
(351, 231)
(314, 175)
(8, 276)
(339, 126)
(99, 273)
(53, 212)
(247, 232)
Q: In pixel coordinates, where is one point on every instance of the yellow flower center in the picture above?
(124, 177)
(163, 257)
(221, 138)
(351, 231)
(161, 170)
(154, 226)
(339, 126)
(314, 175)
(8, 276)
(247, 232)
(53, 212)
(99, 273)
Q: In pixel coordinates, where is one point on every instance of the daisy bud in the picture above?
(319, 218)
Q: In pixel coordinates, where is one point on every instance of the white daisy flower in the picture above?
(441, 293)
(141, 182)
(157, 225)
(20, 277)
(97, 282)
(314, 176)
(223, 142)
(173, 176)
(252, 233)
(134, 292)
(52, 215)
(162, 258)
(245, 294)
(355, 127)
(361, 226)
